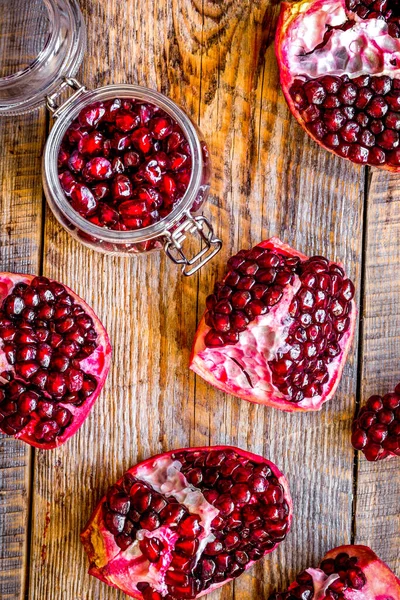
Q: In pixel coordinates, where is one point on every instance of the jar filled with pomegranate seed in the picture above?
(125, 170)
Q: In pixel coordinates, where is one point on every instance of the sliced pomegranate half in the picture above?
(277, 328)
(340, 72)
(54, 359)
(186, 522)
(346, 573)
(376, 430)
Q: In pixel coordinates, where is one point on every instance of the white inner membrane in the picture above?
(366, 47)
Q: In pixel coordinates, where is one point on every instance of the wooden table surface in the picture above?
(216, 59)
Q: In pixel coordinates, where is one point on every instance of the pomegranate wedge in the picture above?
(54, 359)
(376, 431)
(186, 522)
(340, 73)
(277, 329)
(346, 573)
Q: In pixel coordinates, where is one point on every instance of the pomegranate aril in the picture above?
(150, 520)
(92, 115)
(188, 547)
(172, 515)
(189, 527)
(151, 548)
(46, 430)
(91, 144)
(27, 402)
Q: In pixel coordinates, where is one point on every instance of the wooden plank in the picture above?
(269, 178)
(21, 140)
(378, 484)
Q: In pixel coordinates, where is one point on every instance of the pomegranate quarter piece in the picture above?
(277, 328)
(346, 573)
(54, 359)
(340, 72)
(184, 523)
(376, 430)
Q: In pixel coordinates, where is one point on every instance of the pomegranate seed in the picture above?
(151, 548)
(98, 168)
(76, 162)
(188, 547)
(91, 144)
(82, 200)
(161, 127)
(92, 115)
(27, 403)
(190, 527)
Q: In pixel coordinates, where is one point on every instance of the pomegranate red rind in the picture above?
(54, 359)
(376, 430)
(292, 356)
(339, 72)
(185, 527)
(348, 572)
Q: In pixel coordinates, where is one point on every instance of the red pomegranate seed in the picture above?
(126, 120)
(98, 168)
(91, 115)
(76, 162)
(91, 144)
(82, 200)
(151, 548)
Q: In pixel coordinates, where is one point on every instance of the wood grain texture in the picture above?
(216, 60)
(21, 142)
(378, 484)
(20, 248)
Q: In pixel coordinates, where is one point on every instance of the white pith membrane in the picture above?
(96, 366)
(364, 48)
(125, 569)
(321, 582)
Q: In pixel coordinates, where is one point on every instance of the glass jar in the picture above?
(51, 73)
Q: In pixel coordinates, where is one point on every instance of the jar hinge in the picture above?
(192, 225)
(51, 100)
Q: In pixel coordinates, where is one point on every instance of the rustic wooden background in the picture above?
(216, 59)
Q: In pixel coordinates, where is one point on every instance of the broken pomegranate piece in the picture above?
(277, 329)
(340, 72)
(376, 430)
(346, 573)
(124, 164)
(186, 522)
(54, 359)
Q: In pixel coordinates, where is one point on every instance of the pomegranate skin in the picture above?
(125, 570)
(364, 577)
(207, 362)
(374, 61)
(95, 366)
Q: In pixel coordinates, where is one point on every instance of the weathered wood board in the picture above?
(217, 61)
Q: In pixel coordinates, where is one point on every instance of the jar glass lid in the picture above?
(41, 43)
